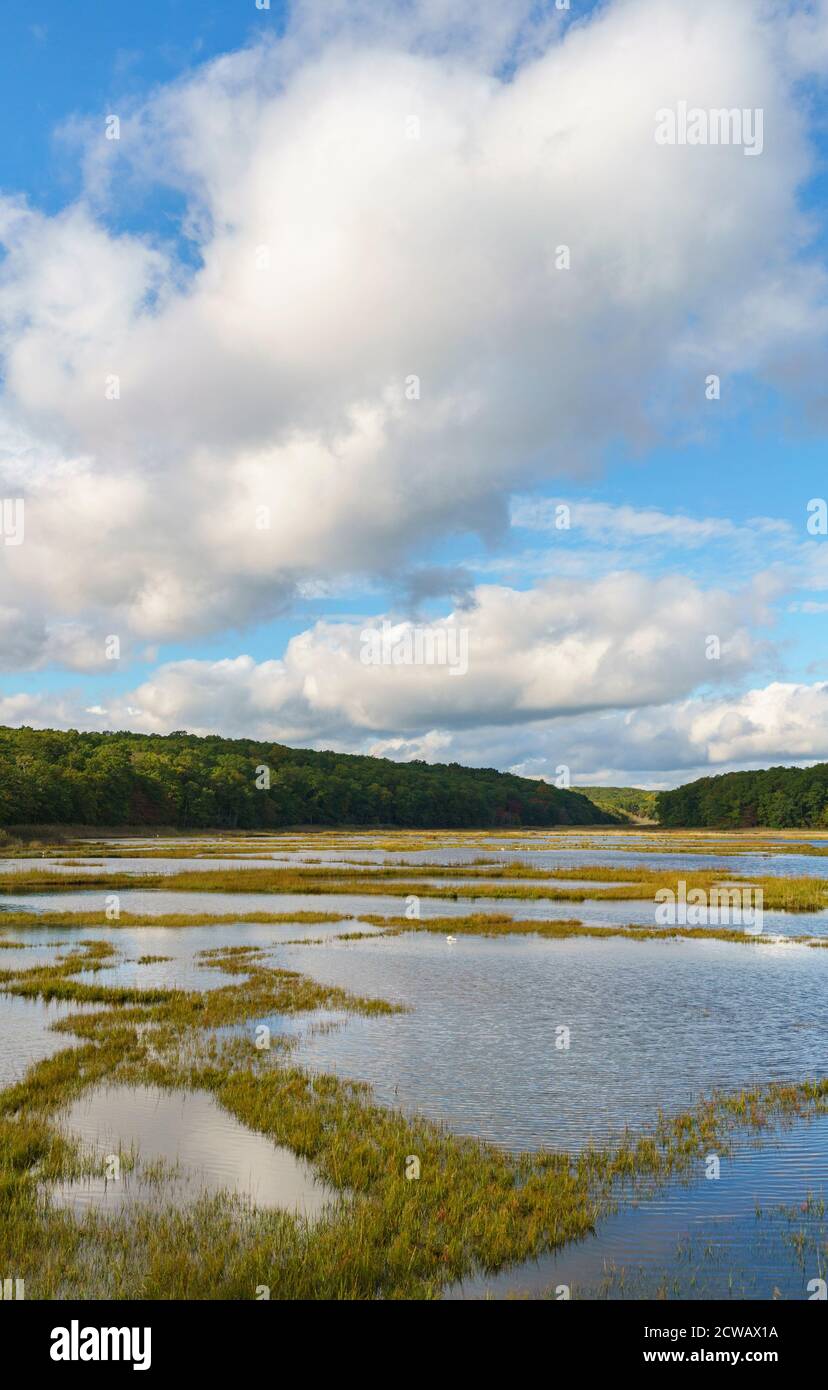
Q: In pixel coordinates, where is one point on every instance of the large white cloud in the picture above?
(337, 256)
(509, 657)
(783, 722)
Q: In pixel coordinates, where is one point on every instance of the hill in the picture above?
(631, 803)
(49, 777)
(781, 797)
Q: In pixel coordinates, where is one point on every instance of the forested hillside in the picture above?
(48, 777)
(783, 797)
(632, 802)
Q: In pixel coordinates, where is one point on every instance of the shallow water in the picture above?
(26, 1036)
(722, 1238)
(209, 1150)
(185, 968)
(598, 851)
(160, 902)
(157, 974)
(652, 1025)
(35, 953)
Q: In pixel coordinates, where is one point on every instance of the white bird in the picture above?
(451, 940)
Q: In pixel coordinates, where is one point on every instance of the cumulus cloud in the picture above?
(783, 722)
(377, 199)
(510, 657)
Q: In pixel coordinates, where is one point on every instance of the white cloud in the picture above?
(783, 720)
(654, 747)
(338, 257)
(629, 525)
(658, 746)
(808, 37)
(528, 655)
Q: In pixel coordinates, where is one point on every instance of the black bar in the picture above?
(250, 1337)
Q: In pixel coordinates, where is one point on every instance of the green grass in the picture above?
(625, 884)
(489, 924)
(473, 1208)
(93, 918)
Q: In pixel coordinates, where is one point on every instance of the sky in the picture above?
(419, 379)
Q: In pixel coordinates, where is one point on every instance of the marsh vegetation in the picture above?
(476, 1208)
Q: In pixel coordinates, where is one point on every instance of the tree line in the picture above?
(780, 797)
(625, 802)
(112, 779)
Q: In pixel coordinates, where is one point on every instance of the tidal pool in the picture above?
(26, 1034)
(652, 1025)
(184, 967)
(204, 1150)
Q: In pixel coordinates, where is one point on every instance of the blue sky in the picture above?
(60, 60)
(248, 132)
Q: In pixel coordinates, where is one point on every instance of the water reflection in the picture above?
(26, 1034)
(357, 906)
(202, 1147)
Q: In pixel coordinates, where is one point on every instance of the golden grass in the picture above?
(474, 1207)
(805, 894)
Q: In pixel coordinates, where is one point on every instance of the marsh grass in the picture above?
(489, 924)
(472, 924)
(473, 1208)
(94, 918)
(626, 884)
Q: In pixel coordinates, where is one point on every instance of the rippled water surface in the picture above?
(26, 1034)
(357, 906)
(757, 1231)
(652, 1025)
(526, 1042)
